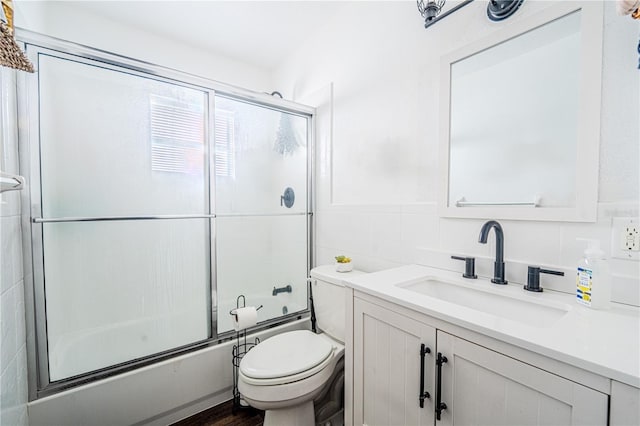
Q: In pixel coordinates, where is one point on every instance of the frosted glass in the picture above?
(267, 153)
(116, 144)
(255, 254)
(118, 291)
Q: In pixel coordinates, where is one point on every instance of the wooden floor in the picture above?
(221, 415)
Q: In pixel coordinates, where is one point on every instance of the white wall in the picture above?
(374, 75)
(13, 355)
(62, 20)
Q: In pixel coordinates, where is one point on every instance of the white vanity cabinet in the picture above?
(478, 385)
(483, 387)
(391, 355)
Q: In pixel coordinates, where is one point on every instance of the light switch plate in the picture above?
(625, 239)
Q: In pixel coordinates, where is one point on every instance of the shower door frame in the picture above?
(33, 250)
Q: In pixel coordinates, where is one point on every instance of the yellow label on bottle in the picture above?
(584, 283)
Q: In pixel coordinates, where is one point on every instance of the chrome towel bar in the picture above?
(112, 218)
(155, 217)
(464, 203)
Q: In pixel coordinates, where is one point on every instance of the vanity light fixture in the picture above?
(497, 10)
(430, 10)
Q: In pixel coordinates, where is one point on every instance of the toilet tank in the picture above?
(329, 299)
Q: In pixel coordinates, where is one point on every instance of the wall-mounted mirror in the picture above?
(520, 119)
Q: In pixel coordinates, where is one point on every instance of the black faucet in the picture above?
(498, 266)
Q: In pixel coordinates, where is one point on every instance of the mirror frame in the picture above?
(588, 132)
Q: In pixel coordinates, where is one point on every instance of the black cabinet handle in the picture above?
(423, 395)
(440, 406)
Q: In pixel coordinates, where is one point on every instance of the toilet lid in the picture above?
(285, 355)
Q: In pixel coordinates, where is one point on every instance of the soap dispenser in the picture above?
(593, 279)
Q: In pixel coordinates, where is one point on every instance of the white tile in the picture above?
(10, 203)
(324, 225)
(386, 237)
(419, 230)
(625, 289)
(28, 297)
(345, 231)
(572, 249)
(8, 335)
(324, 256)
(24, 416)
(536, 242)
(460, 236)
(20, 326)
(22, 381)
(429, 209)
(11, 254)
(12, 415)
(27, 257)
(372, 264)
(8, 118)
(9, 388)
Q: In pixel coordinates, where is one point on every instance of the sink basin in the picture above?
(530, 312)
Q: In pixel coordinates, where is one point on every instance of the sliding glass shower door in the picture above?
(261, 210)
(125, 200)
(155, 204)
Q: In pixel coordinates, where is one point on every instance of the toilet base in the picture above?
(298, 415)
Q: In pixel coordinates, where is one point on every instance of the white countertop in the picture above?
(604, 342)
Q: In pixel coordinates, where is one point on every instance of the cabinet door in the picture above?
(625, 405)
(387, 367)
(483, 387)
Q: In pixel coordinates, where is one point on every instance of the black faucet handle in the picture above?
(469, 266)
(533, 277)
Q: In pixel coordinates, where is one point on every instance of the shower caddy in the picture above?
(240, 349)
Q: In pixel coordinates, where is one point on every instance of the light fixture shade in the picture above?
(430, 10)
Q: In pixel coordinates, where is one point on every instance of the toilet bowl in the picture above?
(283, 374)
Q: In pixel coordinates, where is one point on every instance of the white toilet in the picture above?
(283, 374)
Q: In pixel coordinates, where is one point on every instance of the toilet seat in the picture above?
(286, 358)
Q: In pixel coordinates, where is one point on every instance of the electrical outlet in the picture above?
(625, 241)
(631, 238)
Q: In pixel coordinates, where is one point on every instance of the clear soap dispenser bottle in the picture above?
(593, 278)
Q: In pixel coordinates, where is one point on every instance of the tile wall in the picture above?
(13, 353)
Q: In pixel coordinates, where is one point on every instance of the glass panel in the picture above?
(503, 123)
(259, 153)
(115, 144)
(117, 291)
(256, 254)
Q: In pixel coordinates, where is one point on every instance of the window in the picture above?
(225, 153)
(177, 136)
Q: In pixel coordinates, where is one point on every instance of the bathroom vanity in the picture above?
(425, 346)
